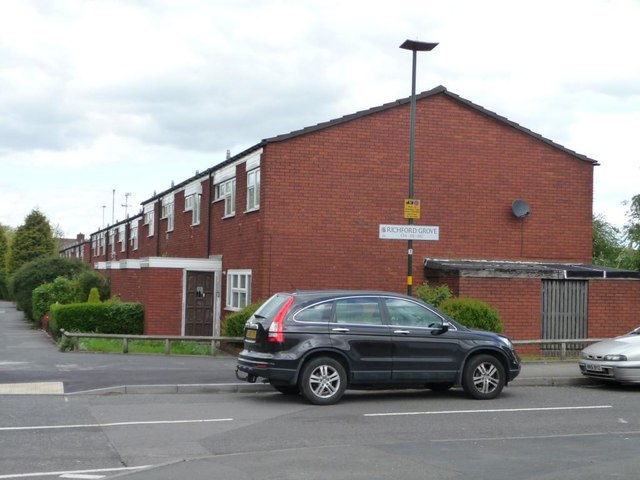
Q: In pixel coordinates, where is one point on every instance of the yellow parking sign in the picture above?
(411, 208)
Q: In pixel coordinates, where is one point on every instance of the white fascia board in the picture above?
(202, 264)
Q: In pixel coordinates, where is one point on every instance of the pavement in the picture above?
(30, 364)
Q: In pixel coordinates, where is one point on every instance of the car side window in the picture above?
(359, 310)
(320, 312)
(409, 314)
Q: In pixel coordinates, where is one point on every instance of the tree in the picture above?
(607, 243)
(4, 246)
(632, 233)
(32, 240)
(38, 272)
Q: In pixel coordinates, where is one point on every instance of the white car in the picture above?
(616, 360)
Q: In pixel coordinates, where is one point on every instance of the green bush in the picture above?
(38, 272)
(108, 317)
(89, 280)
(472, 313)
(234, 323)
(94, 296)
(433, 295)
(4, 288)
(61, 290)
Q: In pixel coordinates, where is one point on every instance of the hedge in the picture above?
(234, 323)
(472, 313)
(61, 290)
(108, 317)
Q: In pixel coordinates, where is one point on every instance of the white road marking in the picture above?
(83, 476)
(492, 410)
(33, 388)
(72, 472)
(114, 424)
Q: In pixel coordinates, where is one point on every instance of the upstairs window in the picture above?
(149, 218)
(227, 191)
(192, 204)
(167, 211)
(253, 190)
(121, 237)
(133, 233)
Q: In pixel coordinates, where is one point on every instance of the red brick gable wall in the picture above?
(324, 195)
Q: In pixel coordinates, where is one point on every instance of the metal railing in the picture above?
(166, 338)
(562, 342)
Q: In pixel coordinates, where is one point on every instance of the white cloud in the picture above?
(97, 95)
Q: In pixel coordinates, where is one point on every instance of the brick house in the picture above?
(303, 210)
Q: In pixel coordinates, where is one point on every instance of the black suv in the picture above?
(319, 343)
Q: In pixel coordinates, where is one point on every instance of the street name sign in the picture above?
(409, 232)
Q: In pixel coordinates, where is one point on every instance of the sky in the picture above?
(131, 95)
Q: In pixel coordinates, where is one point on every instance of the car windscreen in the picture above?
(269, 309)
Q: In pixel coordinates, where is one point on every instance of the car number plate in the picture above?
(251, 334)
(593, 368)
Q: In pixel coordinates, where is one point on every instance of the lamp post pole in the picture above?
(415, 47)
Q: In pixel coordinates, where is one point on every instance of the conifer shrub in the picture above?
(433, 295)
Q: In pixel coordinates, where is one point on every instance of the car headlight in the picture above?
(615, 358)
(507, 342)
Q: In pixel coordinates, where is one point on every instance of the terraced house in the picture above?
(304, 210)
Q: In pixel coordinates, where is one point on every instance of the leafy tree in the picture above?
(32, 240)
(632, 233)
(38, 272)
(4, 292)
(607, 243)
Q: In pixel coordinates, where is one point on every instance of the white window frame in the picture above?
(253, 190)
(237, 290)
(227, 191)
(112, 240)
(192, 204)
(149, 214)
(122, 237)
(168, 211)
(133, 234)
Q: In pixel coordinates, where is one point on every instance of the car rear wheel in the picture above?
(323, 381)
(285, 388)
(483, 377)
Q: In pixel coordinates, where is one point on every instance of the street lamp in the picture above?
(415, 47)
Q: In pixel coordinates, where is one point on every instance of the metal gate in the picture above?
(564, 311)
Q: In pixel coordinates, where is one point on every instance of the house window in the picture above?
(121, 237)
(148, 219)
(167, 211)
(238, 289)
(133, 233)
(253, 190)
(227, 191)
(112, 240)
(192, 204)
(94, 246)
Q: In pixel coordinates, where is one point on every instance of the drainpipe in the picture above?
(208, 217)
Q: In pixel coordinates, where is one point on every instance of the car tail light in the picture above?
(276, 329)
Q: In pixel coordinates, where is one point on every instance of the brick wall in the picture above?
(326, 193)
(613, 307)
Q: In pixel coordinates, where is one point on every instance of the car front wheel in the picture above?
(483, 377)
(323, 381)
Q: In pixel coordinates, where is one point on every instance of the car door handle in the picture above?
(401, 332)
(340, 330)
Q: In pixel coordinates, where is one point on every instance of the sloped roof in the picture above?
(440, 90)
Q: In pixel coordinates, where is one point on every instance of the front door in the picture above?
(199, 304)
